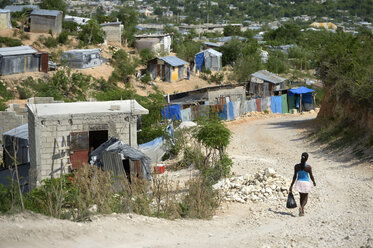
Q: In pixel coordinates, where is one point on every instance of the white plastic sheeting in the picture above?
(186, 114)
(154, 149)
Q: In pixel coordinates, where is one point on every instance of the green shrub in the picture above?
(201, 201)
(5, 199)
(63, 37)
(9, 42)
(146, 55)
(4, 93)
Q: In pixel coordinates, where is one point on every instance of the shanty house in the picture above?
(22, 59)
(5, 19)
(208, 59)
(61, 135)
(44, 21)
(82, 58)
(264, 83)
(158, 43)
(168, 69)
(113, 31)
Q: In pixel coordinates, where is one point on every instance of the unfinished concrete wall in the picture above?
(44, 133)
(113, 33)
(42, 24)
(235, 94)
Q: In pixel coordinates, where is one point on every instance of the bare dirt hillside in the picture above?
(339, 212)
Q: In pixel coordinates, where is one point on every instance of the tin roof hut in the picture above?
(82, 58)
(208, 59)
(44, 21)
(168, 69)
(22, 59)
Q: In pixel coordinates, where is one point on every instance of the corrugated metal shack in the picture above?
(42, 21)
(168, 69)
(113, 31)
(82, 58)
(5, 19)
(22, 59)
(264, 83)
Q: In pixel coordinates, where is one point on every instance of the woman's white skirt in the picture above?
(303, 186)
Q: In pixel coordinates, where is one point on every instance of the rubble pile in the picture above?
(262, 186)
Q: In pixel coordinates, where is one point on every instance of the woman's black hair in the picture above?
(303, 160)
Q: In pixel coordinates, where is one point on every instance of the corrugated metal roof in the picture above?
(83, 50)
(173, 60)
(46, 12)
(211, 44)
(110, 23)
(9, 51)
(268, 76)
(210, 50)
(4, 11)
(19, 8)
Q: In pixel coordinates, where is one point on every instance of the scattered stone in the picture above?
(262, 186)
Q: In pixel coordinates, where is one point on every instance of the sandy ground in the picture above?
(339, 212)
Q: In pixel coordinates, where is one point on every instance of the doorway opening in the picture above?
(96, 138)
(127, 169)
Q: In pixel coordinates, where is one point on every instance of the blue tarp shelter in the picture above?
(171, 112)
(307, 99)
(210, 59)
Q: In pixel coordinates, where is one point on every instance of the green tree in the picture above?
(129, 17)
(230, 30)
(146, 55)
(124, 67)
(188, 50)
(91, 33)
(54, 5)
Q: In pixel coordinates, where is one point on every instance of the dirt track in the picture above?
(339, 212)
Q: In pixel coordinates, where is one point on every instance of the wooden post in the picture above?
(300, 103)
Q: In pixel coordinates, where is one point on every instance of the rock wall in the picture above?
(343, 108)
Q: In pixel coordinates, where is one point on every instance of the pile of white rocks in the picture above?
(262, 186)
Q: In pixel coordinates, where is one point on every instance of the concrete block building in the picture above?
(43, 20)
(61, 135)
(113, 31)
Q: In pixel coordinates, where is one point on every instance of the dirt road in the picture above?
(339, 212)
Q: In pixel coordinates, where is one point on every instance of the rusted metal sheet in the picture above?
(44, 62)
(258, 108)
(136, 168)
(79, 158)
(79, 141)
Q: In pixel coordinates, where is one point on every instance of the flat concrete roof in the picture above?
(76, 108)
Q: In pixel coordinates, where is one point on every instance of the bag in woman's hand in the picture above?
(291, 201)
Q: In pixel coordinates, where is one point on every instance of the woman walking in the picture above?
(302, 173)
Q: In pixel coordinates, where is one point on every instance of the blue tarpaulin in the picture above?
(276, 104)
(171, 112)
(301, 90)
(228, 112)
(199, 61)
